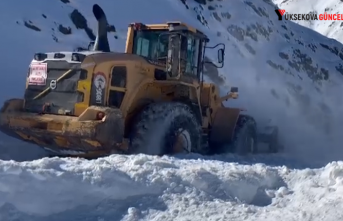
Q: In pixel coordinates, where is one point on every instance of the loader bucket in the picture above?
(84, 136)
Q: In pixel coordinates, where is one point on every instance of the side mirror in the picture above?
(221, 55)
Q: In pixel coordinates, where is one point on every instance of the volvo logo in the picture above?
(53, 84)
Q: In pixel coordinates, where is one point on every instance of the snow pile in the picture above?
(152, 188)
(285, 72)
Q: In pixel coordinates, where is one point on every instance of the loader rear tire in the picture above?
(156, 130)
(245, 139)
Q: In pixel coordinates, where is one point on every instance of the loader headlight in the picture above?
(40, 56)
(78, 57)
(59, 55)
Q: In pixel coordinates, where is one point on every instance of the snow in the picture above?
(303, 183)
(168, 188)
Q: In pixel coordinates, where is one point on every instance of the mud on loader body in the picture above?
(151, 99)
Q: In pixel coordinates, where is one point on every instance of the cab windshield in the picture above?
(151, 44)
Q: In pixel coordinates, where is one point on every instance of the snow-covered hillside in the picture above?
(286, 73)
(329, 28)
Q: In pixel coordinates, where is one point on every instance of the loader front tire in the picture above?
(165, 128)
(244, 138)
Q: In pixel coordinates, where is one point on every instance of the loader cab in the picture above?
(174, 45)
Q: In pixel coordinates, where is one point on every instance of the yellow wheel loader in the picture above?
(152, 99)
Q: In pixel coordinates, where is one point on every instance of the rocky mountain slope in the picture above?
(286, 73)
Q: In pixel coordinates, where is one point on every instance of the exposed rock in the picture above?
(275, 66)
(31, 26)
(226, 15)
(250, 32)
(80, 22)
(283, 55)
(301, 61)
(236, 32)
(210, 7)
(258, 10)
(333, 50)
(202, 19)
(54, 38)
(299, 42)
(64, 30)
(313, 47)
(216, 16)
(203, 2)
(184, 3)
(339, 68)
(250, 49)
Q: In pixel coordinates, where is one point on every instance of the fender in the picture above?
(224, 124)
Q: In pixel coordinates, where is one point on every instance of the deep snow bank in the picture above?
(153, 188)
(285, 72)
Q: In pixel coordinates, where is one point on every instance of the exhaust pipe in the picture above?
(101, 41)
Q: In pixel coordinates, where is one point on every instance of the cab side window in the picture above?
(192, 56)
(118, 86)
(143, 47)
